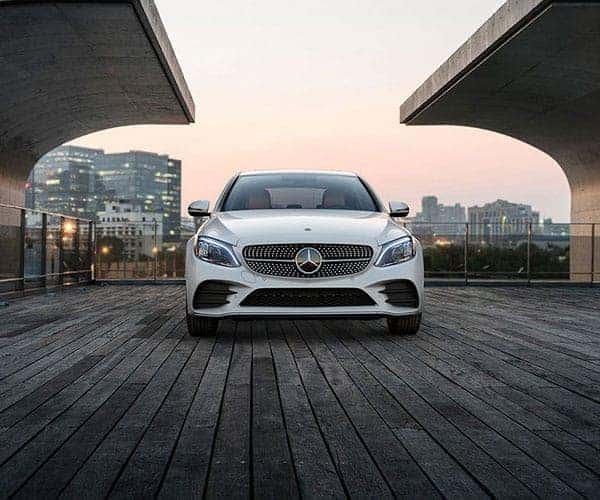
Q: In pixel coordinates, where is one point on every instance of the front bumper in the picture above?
(243, 282)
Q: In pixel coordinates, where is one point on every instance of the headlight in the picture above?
(397, 251)
(215, 252)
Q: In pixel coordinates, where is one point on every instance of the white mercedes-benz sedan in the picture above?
(302, 243)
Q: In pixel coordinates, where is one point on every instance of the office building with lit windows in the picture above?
(65, 181)
(148, 180)
(82, 182)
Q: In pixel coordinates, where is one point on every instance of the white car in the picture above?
(298, 244)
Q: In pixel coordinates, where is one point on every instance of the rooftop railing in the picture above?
(510, 251)
(139, 251)
(453, 252)
(41, 249)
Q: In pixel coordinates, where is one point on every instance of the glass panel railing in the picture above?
(137, 251)
(86, 247)
(497, 252)
(70, 251)
(443, 249)
(41, 249)
(514, 251)
(53, 250)
(127, 250)
(550, 252)
(171, 258)
(34, 247)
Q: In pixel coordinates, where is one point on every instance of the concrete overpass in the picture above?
(532, 72)
(69, 68)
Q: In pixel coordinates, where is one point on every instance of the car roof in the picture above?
(310, 172)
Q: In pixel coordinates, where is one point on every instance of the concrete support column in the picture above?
(583, 173)
(12, 191)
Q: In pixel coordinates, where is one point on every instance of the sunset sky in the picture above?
(317, 84)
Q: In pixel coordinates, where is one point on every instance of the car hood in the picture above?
(302, 226)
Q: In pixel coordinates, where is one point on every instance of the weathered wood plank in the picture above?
(400, 471)
(429, 407)
(74, 436)
(103, 393)
(273, 474)
(356, 466)
(231, 464)
(316, 472)
(187, 471)
(507, 434)
(142, 475)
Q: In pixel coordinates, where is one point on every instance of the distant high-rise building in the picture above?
(149, 180)
(439, 218)
(430, 209)
(65, 181)
(501, 219)
(80, 182)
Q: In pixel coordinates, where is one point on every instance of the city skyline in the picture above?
(466, 207)
(326, 95)
(81, 182)
(106, 162)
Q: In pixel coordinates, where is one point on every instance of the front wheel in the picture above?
(404, 325)
(200, 327)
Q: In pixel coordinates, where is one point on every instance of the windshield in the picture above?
(299, 191)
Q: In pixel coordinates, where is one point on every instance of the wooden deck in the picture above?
(102, 393)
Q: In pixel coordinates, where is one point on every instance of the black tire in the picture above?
(405, 325)
(201, 327)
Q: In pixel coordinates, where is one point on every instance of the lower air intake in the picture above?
(308, 297)
(402, 294)
(212, 294)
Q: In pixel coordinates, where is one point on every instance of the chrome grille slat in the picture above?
(278, 259)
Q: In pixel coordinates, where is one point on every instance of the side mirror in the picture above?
(399, 209)
(199, 208)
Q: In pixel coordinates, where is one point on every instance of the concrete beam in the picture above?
(69, 68)
(532, 72)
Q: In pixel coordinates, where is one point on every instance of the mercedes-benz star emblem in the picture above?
(308, 260)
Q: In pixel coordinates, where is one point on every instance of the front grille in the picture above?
(278, 260)
(402, 294)
(307, 297)
(212, 294)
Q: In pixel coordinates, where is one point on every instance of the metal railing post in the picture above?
(21, 269)
(61, 252)
(126, 235)
(98, 260)
(529, 235)
(44, 250)
(92, 250)
(466, 263)
(593, 263)
(155, 250)
(76, 263)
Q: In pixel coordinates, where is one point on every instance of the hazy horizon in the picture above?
(318, 86)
